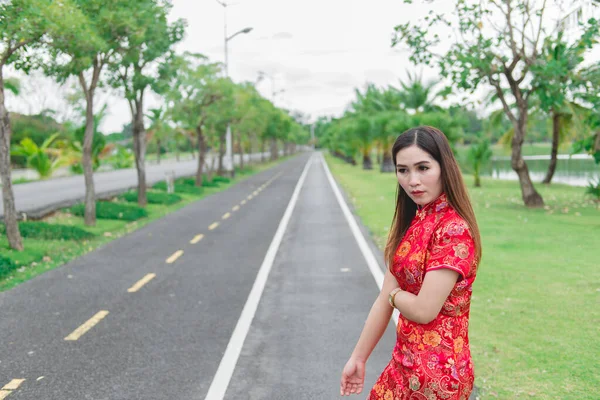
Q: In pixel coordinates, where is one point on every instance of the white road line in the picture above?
(360, 239)
(220, 382)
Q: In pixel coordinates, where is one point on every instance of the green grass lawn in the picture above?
(40, 256)
(535, 315)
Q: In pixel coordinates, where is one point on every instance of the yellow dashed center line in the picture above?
(13, 385)
(213, 226)
(243, 202)
(174, 256)
(235, 208)
(9, 387)
(196, 239)
(249, 197)
(255, 193)
(89, 324)
(141, 283)
(226, 215)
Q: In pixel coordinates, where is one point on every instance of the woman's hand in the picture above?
(353, 377)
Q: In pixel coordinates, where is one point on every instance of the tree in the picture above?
(23, 24)
(479, 154)
(497, 43)
(83, 50)
(416, 95)
(148, 40)
(555, 74)
(191, 85)
(159, 129)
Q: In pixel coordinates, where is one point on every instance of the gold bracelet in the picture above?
(392, 296)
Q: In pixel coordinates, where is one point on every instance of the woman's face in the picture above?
(419, 174)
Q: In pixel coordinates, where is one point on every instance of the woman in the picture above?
(433, 250)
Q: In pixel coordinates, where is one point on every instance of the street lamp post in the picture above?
(228, 140)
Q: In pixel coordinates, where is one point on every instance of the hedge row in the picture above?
(109, 210)
(153, 197)
(46, 231)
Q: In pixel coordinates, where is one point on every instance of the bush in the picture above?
(46, 231)
(206, 183)
(6, 266)
(108, 210)
(153, 197)
(221, 179)
(179, 188)
(593, 189)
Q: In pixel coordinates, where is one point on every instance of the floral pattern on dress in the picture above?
(433, 361)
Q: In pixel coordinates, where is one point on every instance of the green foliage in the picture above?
(110, 210)
(6, 266)
(221, 179)
(121, 158)
(75, 153)
(593, 189)
(153, 197)
(587, 145)
(179, 188)
(38, 128)
(46, 231)
(479, 154)
(44, 159)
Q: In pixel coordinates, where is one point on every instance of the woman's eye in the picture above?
(401, 170)
(423, 168)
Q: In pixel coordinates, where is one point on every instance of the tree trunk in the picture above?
(262, 150)
(10, 212)
(367, 163)
(554, 152)
(387, 164)
(477, 179)
(88, 138)
(274, 154)
(241, 153)
(597, 142)
(531, 197)
(157, 151)
(201, 154)
(139, 149)
(221, 172)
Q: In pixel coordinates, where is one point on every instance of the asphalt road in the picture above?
(41, 197)
(171, 337)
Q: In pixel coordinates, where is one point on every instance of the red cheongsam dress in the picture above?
(432, 361)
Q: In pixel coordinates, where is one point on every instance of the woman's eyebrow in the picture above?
(417, 163)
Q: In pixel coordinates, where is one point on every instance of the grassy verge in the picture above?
(535, 315)
(40, 255)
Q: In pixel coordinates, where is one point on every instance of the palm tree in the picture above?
(479, 153)
(44, 159)
(158, 131)
(417, 95)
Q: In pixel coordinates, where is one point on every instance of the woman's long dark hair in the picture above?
(435, 143)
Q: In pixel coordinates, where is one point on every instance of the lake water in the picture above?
(575, 170)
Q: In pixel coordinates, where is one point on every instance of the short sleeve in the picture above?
(451, 247)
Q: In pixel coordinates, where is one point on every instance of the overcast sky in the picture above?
(316, 51)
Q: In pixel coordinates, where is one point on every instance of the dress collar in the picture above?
(435, 206)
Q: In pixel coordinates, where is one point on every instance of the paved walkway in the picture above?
(256, 292)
